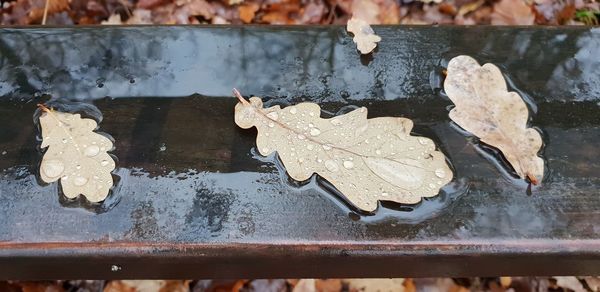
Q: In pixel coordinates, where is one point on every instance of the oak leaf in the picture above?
(76, 155)
(496, 116)
(367, 160)
(365, 38)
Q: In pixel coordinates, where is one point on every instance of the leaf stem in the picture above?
(240, 97)
(43, 107)
(532, 179)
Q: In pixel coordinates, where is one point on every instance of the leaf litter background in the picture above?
(461, 12)
(516, 284)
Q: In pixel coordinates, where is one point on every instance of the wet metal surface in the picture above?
(192, 191)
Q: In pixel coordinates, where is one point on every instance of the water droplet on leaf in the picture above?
(53, 168)
(348, 164)
(331, 165)
(91, 151)
(79, 181)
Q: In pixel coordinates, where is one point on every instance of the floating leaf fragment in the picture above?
(486, 108)
(365, 38)
(367, 160)
(76, 155)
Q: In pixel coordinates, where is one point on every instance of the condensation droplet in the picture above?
(363, 109)
(348, 164)
(91, 151)
(53, 168)
(301, 137)
(310, 147)
(78, 166)
(335, 122)
(311, 125)
(311, 114)
(384, 194)
(327, 147)
(293, 110)
(66, 177)
(378, 152)
(271, 124)
(273, 116)
(80, 181)
(331, 165)
(432, 186)
(440, 173)
(423, 141)
(300, 160)
(265, 150)
(315, 132)
(104, 162)
(64, 140)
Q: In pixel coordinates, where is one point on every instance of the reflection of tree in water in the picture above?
(578, 77)
(74, 63)
(318, 63)
(275, 63)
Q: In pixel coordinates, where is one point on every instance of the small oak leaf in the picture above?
(486, 108)
(367, 160)
(365, 38)
(76, 155)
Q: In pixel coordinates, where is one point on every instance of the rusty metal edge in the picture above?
(136, 260)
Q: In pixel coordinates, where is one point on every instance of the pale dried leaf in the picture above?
(593, 283)
(140, 16)
(367, 160)
(365, 38)
(512, 12)
(76, 155)
(367, 10)
(571, 283)
(375, 285)
(305, 285)
(486, 108)
(114, 19)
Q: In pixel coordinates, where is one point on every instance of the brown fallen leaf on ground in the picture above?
(496, 116)
(365, 38)
(75, 155)
(367, 160)
(248, 11)
(512, 12)
(375, 285)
